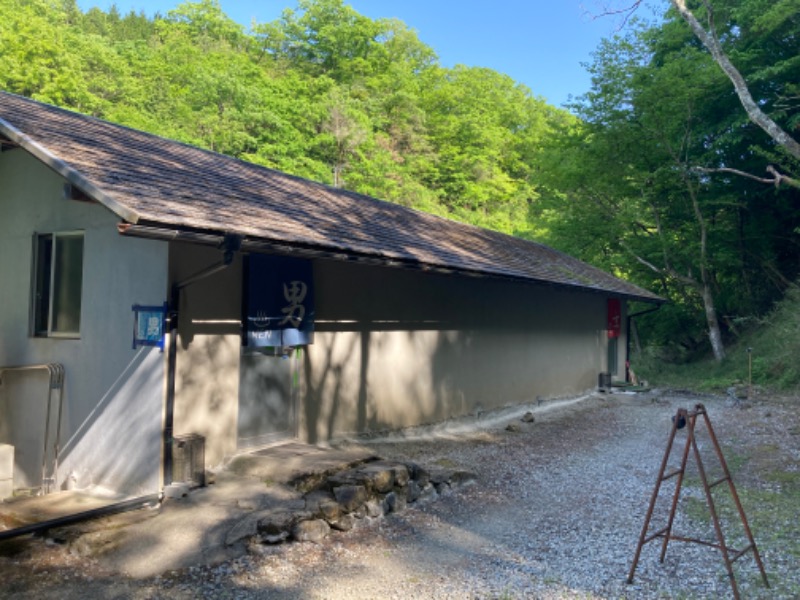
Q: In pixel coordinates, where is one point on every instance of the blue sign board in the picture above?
(148, 325)
(279, 301)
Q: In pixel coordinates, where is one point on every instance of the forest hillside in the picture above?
(658, 174)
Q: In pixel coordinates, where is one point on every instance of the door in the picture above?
(266, 406)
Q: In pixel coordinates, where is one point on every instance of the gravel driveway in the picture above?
(556, 513)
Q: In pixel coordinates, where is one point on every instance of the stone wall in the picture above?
(346, 500)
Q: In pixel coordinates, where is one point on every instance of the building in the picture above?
(152, 290)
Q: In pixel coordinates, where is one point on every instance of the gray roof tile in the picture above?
(148, 179)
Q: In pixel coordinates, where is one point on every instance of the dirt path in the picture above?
(556, 513)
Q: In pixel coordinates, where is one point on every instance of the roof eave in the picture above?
(67, 172)
(171, 233)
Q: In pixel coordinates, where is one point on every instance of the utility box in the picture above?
(604, 382)
(6, 471)
(188, 459)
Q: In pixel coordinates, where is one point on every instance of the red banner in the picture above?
(614, 318)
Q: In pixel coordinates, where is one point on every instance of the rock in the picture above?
(247, 528)
(330, 510)
(737, 392)
(528, 417)
(462, 478)
(419, 474)
(438, 476)
(344, 522)
(275, 526)
(308, 482)
(177, 489)
(414, 491)
(394, 503)
(443, 489)
(401, 475)
(351, 478)
(322, 504)
(314, 530)
(350, 497)
(380, 475)
(373, 508)
(512, 427)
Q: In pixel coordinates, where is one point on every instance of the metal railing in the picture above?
(56, 383)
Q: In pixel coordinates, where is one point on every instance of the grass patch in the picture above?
(771, 511)
(789, 481)
(771, 364)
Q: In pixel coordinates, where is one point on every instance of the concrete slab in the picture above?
(196, 529)
(200, 528)
(188, 531)
(289, 462)
(35, 509)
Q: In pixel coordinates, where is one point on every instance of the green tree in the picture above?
(659, 112)
(727, 30)
(323, 92)
(484, 127)
(322, 37)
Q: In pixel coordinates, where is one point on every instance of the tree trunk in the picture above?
(714, 333)
(704, 285)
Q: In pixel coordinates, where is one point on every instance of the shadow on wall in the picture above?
(323, 379)
(207, 384)
(365, 376)
(118, 445)
(370, 381)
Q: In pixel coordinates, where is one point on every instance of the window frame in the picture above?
(42, 324)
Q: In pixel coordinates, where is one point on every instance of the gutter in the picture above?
(156, 232)
(253, 245)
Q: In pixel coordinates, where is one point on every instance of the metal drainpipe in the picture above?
(111, 509)
(628, 338)
(230, 246)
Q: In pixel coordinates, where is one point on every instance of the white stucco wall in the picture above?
(113, 399)
(392, 348)
(395, 348)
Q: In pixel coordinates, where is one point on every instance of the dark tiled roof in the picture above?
(148, 179)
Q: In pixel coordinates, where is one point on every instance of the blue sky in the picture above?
(540, 43)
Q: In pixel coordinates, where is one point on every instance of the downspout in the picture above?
(230, 246)
(628, 338)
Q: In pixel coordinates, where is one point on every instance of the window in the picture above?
(58, 278)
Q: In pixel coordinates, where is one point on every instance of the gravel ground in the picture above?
(556, 513)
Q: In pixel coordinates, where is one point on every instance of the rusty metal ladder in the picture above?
(684, 418)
